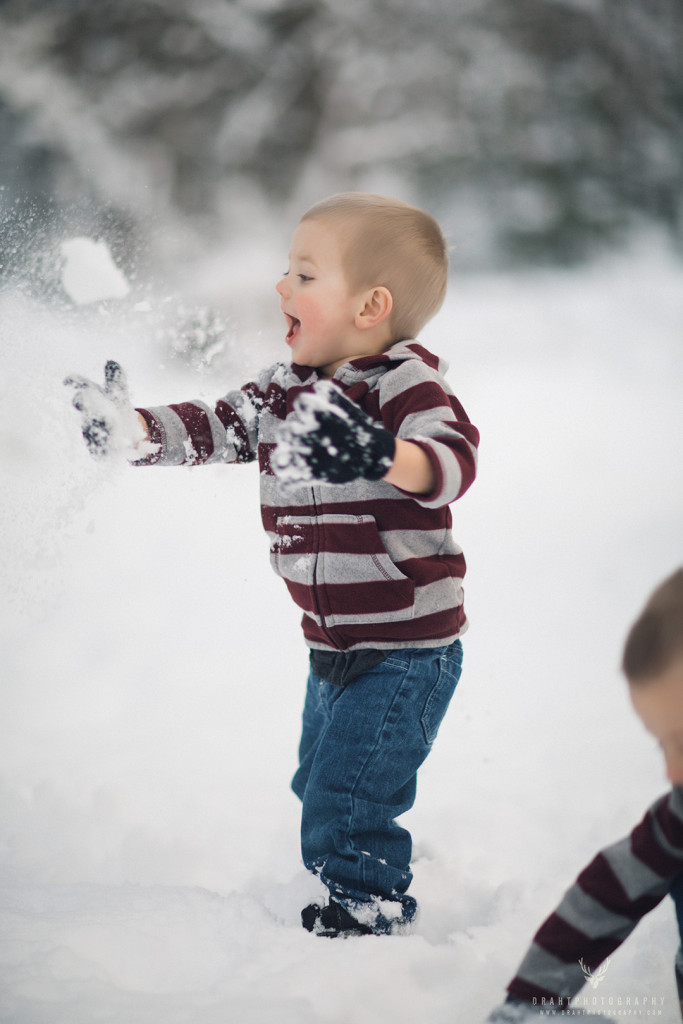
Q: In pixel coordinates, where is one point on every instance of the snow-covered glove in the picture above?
(108, 421)
(328, 438)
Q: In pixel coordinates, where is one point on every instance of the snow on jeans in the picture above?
(361, 747)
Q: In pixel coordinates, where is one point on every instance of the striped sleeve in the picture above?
(193, 433)
(611, 895)
(417, 405)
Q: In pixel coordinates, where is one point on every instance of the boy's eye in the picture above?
(305, 277)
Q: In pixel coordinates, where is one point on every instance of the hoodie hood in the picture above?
(369, 368)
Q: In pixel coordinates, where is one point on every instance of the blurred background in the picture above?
(537, 131)
(146, 744)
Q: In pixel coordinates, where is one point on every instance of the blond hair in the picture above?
(655, 639)
(389, 243)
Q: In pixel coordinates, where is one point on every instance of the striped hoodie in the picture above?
(622, 884)
(369, 565)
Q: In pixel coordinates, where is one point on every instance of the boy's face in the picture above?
(659, 704)
(320, 308)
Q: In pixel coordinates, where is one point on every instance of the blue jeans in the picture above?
(361, 747)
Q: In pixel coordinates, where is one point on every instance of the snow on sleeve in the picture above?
(193, 433)
(328, 438)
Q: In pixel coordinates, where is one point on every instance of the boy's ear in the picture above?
(376, 309)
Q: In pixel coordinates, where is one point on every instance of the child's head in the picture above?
(386, 242)
(653, 665)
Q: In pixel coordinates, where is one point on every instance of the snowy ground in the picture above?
(149, 863)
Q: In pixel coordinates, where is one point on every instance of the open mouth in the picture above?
(293, 324)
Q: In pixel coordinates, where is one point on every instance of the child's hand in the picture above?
(328, 438)
(108, 421)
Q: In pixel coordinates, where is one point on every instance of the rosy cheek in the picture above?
(309, 311)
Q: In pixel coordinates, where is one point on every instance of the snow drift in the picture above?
(149, 863)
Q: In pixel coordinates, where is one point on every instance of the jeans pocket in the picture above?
(439, 697)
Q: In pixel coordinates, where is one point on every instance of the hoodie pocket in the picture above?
(338, 571)
(355, 578)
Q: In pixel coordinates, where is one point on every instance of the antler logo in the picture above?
(594, 979)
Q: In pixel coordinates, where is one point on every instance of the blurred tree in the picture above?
(538, 127)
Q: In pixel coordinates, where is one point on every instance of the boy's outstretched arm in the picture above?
(187, 433)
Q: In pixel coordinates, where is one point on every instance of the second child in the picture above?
(630, 878)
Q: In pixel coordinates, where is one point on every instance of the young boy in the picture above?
(361, 447)
(627, 880)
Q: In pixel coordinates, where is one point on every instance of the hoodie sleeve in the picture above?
(193, 433)
(611, 895)
(417, 404)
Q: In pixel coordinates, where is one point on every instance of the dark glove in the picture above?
(328, 438)
(108, 421)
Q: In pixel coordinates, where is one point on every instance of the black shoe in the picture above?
(332, 920)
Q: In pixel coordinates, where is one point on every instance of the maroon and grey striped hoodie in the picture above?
(369, 565)
(620, 885)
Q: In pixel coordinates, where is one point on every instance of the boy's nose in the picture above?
(281, 287)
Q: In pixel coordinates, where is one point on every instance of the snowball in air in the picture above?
(89, 273)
